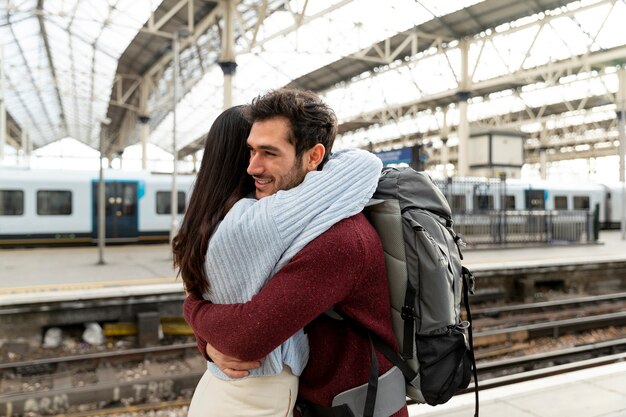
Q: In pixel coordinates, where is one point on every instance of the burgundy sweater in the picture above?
(342, 268)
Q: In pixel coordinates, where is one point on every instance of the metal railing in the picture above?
(524, 226)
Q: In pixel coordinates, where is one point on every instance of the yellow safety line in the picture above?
(70, 249)
(36, 241)
(85, 285)
(129, 409)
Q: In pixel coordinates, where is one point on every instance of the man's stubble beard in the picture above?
(294, 177)
(291, 179)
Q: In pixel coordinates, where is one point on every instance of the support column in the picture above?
(174, 195)
(24, 144)
(445, 152)
(543, 156)
(463, 95)
(621, 115)
(227, 61)
(102, 193)
(144, 120)
(28, 149)
(145, 133)
(463, 134)
(3, 110)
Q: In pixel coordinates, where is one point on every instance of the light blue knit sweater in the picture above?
(258, 237)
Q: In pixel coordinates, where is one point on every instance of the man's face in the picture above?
(273, 162)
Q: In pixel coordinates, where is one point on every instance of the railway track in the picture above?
(139, 409)
(526, 369)
(129, 377)
(555, 328)
(161, 390)
(111, 391)
(549, 306)
(32, 366)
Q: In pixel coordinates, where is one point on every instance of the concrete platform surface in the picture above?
(594, 392)
(76, 269)
(610, 247)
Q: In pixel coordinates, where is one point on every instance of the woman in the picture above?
(229, 246)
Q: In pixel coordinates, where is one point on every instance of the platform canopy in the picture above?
(395, 72)
(60, 58)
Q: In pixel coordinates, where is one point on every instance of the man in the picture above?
(343, 269)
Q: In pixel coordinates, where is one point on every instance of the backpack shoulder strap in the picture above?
(468, 287)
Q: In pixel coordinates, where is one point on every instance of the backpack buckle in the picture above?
(407, 313)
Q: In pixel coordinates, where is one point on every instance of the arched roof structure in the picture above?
(395, 72)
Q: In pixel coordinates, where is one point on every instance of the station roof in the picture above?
(60, 58)
(462, 23)
(72, 66)
(148, 47)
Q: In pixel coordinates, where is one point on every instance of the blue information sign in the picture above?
(396, 156)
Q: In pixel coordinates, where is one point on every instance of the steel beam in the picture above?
(3, 109)
(621, 114)
(46, 42)
(227, 60)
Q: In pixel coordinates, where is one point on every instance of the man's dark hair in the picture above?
(312, 121)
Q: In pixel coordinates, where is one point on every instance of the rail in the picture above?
(550, 329)
(159, 373)
(554, 305)
(116, 354)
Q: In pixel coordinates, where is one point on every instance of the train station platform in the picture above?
(59, 274)
(30, 275)
(69, 272)
(593, 392)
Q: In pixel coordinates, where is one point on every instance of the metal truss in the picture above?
(200, 51)
(517, 74)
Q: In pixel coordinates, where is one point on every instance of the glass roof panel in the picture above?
(502, 54)
(345, 30)
(75, 99)
(85, 76)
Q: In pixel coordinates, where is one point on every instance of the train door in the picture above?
(535, 199)
(121, 210)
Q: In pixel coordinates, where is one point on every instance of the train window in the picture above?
(560, 202)
(164, 202)
(458, 202)
(129, 202)
(509, 202)
(11, 203)
(581, 203)
(483, 202)
(54, 203)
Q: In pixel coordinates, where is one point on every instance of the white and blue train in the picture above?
(472, 196)
(60, 207)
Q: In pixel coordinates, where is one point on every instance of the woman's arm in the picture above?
(325, 197)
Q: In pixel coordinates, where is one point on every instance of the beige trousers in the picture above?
(264, 396)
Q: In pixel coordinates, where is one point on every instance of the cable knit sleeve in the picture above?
(339, 191)
(273, 229)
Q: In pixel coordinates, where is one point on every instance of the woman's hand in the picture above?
(233, 367)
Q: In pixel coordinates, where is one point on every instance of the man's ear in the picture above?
(315, 156)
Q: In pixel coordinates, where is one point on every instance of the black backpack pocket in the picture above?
(445, 365)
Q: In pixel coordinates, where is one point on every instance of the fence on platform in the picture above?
(485, 212)
(524, 226)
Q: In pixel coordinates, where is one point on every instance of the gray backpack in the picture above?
(426, 282)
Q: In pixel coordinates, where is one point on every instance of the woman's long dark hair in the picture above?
(221, 181)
